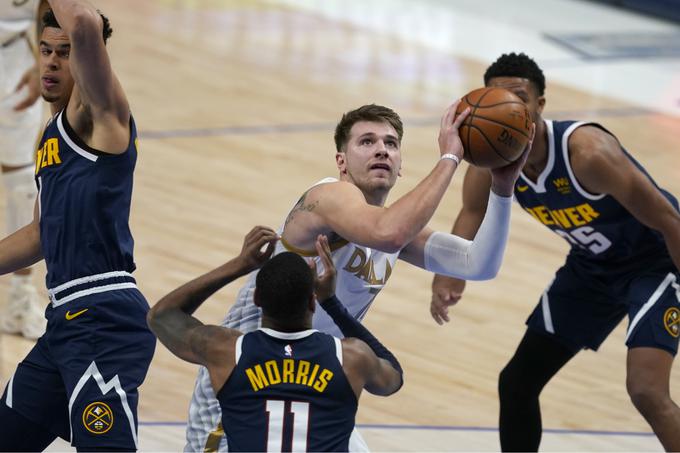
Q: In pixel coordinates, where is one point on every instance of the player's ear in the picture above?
(312, 303)
(541, 104)
(256, 299)
(341, 162)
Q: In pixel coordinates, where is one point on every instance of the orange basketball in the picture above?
(497, 129)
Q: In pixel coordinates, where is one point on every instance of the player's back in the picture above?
(288, 392)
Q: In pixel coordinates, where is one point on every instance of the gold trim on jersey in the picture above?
(212, 444)
(334, 246)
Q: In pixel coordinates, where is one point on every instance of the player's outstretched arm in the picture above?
(22, 248)
(486, 216)
(479, 259)
(601, 166)
(171, 318)
(97, 92)
(367, 363)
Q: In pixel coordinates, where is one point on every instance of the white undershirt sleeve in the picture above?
(480, 259)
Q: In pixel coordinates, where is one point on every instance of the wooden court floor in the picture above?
(236, 102)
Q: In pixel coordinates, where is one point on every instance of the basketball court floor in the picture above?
(236, 102)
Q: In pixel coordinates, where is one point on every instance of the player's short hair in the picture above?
(517, 65)
(49, 20)
(284, 286)
(373, 113)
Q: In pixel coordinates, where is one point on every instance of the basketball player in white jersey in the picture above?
(366, 237)
(20, 122)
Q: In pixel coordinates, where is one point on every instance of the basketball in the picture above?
(497, 129)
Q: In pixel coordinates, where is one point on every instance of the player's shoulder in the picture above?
(333, 189)
(591, 144)
(355, 350)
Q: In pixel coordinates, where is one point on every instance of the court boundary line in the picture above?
(406, 427)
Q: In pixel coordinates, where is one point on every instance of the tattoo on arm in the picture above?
(301, 206)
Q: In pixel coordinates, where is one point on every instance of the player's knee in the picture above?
(512, 381)
(650, 401)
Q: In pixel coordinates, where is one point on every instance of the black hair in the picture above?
(517, 65)
(49, 20)
(284, 286)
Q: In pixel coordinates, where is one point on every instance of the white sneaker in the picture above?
(24, 313)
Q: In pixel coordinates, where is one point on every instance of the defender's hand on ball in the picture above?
(503, 179)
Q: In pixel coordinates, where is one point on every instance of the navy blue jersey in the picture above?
(598, 228)
(84, 203)
(288, 392)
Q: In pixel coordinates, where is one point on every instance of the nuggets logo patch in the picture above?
(671, 321)
(98, 418)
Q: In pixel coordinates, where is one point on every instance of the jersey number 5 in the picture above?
(587, 238)
(276, 410)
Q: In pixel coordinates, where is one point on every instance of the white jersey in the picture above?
(16, 16)
(361, 274)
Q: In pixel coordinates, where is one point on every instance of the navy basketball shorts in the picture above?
(80, 380)
(583, 305)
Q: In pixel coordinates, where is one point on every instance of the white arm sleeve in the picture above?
(480, 259)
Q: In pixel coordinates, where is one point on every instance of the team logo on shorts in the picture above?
(671, 321)
(98, 418)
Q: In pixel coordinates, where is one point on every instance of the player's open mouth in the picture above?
(380, 167)
(49, 82)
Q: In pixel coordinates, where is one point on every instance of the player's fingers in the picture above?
(23, 81)
(325, 254)
(444, 314)
(447, 117)
(26, 103)
(434, 314)
(460, 118)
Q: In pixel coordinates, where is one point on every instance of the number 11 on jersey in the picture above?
(276, 411)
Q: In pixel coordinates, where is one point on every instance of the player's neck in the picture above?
(538, 157)
(376, 198)
(288, 327)
(58, 105)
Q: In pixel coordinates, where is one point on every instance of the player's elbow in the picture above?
(153, 319)
(486, 273)
(390, 239)
(87, 24)
(388, 386)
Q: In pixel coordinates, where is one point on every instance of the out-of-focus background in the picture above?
(236, 102)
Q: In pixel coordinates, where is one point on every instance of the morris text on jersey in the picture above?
(289, 371)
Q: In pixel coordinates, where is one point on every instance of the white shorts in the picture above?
(18, 130)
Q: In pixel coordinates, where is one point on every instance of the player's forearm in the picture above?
(78, 18)
(188, 297)
(407, 216)
(350, 327)
(480, 259)
(20, 250)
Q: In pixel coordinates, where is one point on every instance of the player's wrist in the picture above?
(450, 156)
